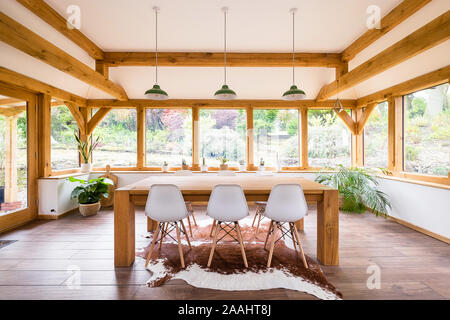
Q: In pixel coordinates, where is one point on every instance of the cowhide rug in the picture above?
(227, 270)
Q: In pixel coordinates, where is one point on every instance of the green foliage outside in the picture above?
(376, 138)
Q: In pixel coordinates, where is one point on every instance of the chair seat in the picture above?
(261, 203)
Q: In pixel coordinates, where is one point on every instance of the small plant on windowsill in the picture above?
(357, 189)
(261, 165)
(85, 148)
(204, 167)
(165, 166)
(242, 165)
(89, 193)
(223, 163)
(184, 165)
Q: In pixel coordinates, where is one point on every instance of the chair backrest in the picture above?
(165, 203)
(229, 173)
(227, 203)
(286, 203)
(183, 173)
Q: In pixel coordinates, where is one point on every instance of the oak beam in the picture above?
(44, 128)
(9, 101)
(12, 111)
(303, 113)
(250, 138)
(140, 161)
(75, 111)
(95, 120)
(102, 68)
(215, 59)
(347, 119)
(366, 112)
(427, 80)
(195, 138)
(432, 34)
(25, 40)
(36, 86)
(53, 18)
(399, 14)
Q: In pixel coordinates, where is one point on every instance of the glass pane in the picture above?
(118, 139)
(276, 137)
(168, 136)
(222, 134)
(329, 140)
(13, 158)
(427, 131)
(376, 138)
(64, 146)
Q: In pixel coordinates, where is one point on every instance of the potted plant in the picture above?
(242, 165)
(89, 193)
(223, 163)
(261, 165)
(86, 148)
(165, 166)
(184, 165)
(204, 167)
(357, 190)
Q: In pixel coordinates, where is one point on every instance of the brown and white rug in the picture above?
(228, 272)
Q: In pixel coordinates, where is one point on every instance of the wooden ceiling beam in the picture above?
(364, 118)
(399, 14)
(215, 59)
(53, 18)
(23, 39)
(431, 34)
(427, 80)
(212, 103)
(348, 121)
(20, 80)
(75, 111)
(9, 101)
(95, 120)
(12, 111)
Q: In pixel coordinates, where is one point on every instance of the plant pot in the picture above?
(261, 168)
(89, 209)
(86, 167)
(242, 167)
(223, 167)
(204, 168)
(165, 168)
(184, 167)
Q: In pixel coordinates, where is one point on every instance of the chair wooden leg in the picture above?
(189, 224)
(213, 244)
(256, 214)
(185, 232)
(272, 245)
(241, 243)
(259, 222)
(155, 236)
(180, 248)
(268, 233)
(300, 247)
(212, 228)
(163, 234)
(292, 235)
(193, 218)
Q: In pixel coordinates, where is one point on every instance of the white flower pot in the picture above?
(165, 168)
(242, 167)
(261, 168)
(86, 167)
(204, 168)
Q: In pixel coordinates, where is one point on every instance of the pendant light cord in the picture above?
(293, 47)
(156, 44)
(225, 46)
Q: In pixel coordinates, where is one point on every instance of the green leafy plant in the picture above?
(183, 162)
(204, 161)
(261, 162)
(357, 188)
(165, 164)
(86, 147)
(222, 160)
(241, 162)
(90, 191)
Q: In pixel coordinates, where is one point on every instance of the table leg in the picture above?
(124, 229)
(328, 228)
(300, 224)
(151, 224)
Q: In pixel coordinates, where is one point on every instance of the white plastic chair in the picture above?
(286, 204)
(185, 173)
(165, 204)
(228, 173)
(227, 205)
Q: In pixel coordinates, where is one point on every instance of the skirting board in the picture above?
(419, 229)
(55, 216)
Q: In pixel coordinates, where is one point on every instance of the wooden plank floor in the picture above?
(413, 265)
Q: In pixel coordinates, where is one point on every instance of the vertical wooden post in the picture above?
(303, 113)
(250, 161)
(398, 144)
(11, 189)
(140, 163)
(124, 229)
(357, 142)
(195, 139)
(391, 134)
(328, 228)
(44, 127)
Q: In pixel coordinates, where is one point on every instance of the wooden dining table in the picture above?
(197, 188)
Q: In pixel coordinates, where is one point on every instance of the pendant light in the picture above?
(156, 93)
(293, 93)
(225, 93)
(337, 104)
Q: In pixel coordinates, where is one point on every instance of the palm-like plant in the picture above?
(86, 147)
(358, 189)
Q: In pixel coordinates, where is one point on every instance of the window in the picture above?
(222, 134)
(168, 136)
(427, 131)
(376, 138)
(329, 140)
(64, 153)
(276, 137)
(118, 139)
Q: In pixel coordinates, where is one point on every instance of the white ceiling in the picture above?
(196, 25)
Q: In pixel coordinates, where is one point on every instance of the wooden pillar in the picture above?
(44, 127)
(328, 228)
(11, 189)
(140, 138)
(303, 114)
(250, 133)
(395, 134)
(357, 142)
(195, 139)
